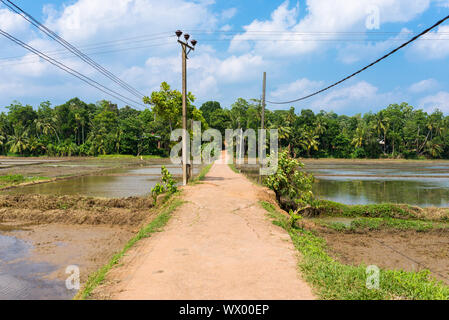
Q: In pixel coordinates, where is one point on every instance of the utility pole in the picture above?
(262, 124)
(264, 89)
(186, 48)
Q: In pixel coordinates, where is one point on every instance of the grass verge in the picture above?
(374, 224)
(127, 156)
(204, 171)
(333, 280)
(16, 179)
(234, 168)
(155, 225)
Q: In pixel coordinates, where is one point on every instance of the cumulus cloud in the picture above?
(350, 99)
(437, 47)
(85, 19)
(438, 101)
(424, 85)
(328, 17)
(11, 22)
(297, 88)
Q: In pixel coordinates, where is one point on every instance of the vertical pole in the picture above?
(264, 88)
(184, 115)
(262, 124)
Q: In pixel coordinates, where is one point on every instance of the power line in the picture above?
(71, 71)
(98, 45)
(368, 66)
(72, 48)
(31, 61)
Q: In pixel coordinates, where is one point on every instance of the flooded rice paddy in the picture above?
(34, 257)
(418, 183)
(423, 184)
(116, 183)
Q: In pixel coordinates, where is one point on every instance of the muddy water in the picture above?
(33, 259)
(423, 184)
(22, 279)
(120, 183)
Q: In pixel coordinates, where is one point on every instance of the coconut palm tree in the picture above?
(18, 142)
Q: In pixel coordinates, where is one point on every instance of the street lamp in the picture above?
(186, 49)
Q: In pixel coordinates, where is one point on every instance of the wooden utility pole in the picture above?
(184, 115)
(264, 89)
(185, 46)
(262, 124)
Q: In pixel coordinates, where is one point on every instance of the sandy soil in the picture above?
(219, 245)
(405, 250)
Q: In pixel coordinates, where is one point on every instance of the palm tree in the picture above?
(381, 125)
(18, 142)
(310, 141)
(359, 137)
(46, 126)
(434, 149)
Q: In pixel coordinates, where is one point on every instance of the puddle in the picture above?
(33, 262)
(20, 279)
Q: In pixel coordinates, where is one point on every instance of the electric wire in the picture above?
(365, 68)
(71, 48)
(71, 71)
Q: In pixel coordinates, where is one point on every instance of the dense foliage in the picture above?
(79, 128)
(398, 131)
(290, 183)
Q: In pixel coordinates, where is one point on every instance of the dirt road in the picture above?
(218, 245)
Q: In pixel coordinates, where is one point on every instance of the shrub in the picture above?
(167, 185)
(290, 182)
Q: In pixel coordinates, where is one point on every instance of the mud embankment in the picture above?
(44, 209)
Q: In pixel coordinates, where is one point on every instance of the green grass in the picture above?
(234, 168)
(159, 222)
(126, 156)
(385, 210)
(15, 179)
(336, 281)
(204, 171)
(373, 224)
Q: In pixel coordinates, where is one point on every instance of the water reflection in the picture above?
(21, 279)
(423, 192)
(119, 183)
(421, 184)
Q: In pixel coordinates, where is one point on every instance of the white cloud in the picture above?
(360, 94)
(424, 85)
(86, 19)
(324, 16)
(298, 88)
(228, 13)
(437, 48)
(11, 22)
(438, 101)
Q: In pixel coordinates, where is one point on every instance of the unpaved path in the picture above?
(219, 245)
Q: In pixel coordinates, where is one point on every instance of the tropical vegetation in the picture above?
(88, 129)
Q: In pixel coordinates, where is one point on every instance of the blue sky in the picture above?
(303, 46)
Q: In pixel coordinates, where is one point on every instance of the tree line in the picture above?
(77, 128)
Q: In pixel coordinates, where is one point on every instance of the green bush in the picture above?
(290, 182)
(167, 185)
